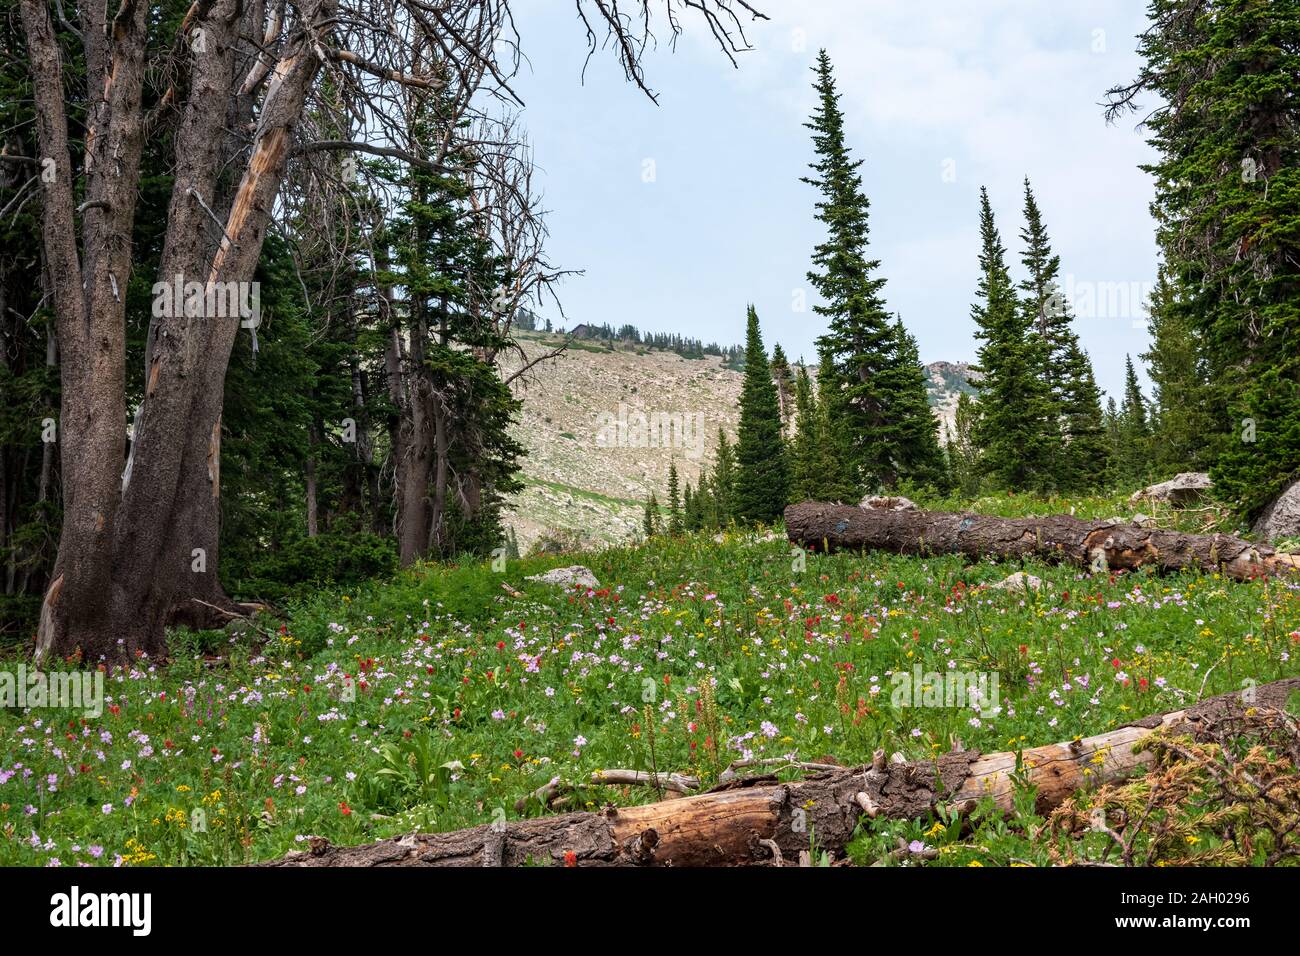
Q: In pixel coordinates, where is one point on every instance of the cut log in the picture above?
(760, 821)
(1097, 545)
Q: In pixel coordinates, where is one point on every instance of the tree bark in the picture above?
(130, 535)
(87, 287)
(1097, 545)
(740, 822)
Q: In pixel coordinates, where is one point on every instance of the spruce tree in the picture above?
(1180, 413)
(912, 429)
(1016, 433)
(724, 481)
(803, 446)
(1226, 126)
(782, 378)
(1086, 454)
(1071, 384)
(1047, 314)
(859, 340)
(674, 501)
(703, 512)
(1114, 444)
(960, 449)
(832, 474)
(762, 482)
(1133, 430)
(650, 522)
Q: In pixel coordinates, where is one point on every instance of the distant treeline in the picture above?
(733, 356)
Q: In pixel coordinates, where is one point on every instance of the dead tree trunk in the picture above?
(757, 820)
(1097, 545)
(137, 531)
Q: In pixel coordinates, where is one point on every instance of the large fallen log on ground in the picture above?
(759, 820)
(1097, 545)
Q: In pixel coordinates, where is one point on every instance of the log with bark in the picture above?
(762, 821)
(1097, 545)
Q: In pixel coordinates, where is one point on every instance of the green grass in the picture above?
(439, 698)
(577, 492)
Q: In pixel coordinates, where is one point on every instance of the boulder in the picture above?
(1179, 491)
(568, 577)
(888, 503)
(1020, 581)
(1281, 519)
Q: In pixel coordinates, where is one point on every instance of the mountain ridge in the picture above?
(601, 424)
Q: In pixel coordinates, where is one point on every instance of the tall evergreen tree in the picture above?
(1111, 421)
(859, 340)
(674, 501)
(1181, 418)
(961, 451)
(1017, 432)
(1227, 132)
(912, 429)
(783, 378)
(803, 446)
(831, 469)
(724, 481)
(1086, 453)
(762, 481)
(1134, 431)
(1047, 314)
(650, 521)
(1072, 387)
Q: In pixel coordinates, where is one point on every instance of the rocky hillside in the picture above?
(948, 380)
(602, 425)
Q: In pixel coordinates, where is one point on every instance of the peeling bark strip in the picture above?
(757, 821)
(1097, 545)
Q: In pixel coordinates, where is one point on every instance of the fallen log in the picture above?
(1097, 545)
(760, 821)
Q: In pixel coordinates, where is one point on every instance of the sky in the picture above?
(681, 214)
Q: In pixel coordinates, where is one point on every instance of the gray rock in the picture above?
(1179, 491)
(888, 503)
(1020, 581)
(1281, 519)
(568, 577)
